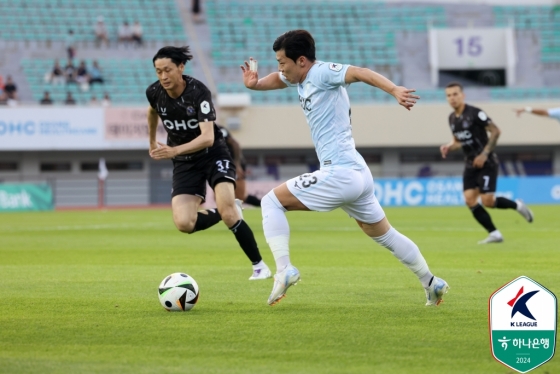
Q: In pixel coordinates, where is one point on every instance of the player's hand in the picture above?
(405, 96)
(444, 149)
(163, 152)
(250, 78)
(518, 111)
(479, 160)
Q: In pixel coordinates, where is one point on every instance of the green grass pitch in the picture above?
(78, 294)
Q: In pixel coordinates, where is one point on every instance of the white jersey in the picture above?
(554, 113)
(326, 106)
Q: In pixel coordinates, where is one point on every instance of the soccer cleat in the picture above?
(239, 206)
(261, 273)
(282, 281)
(524, 210)
(493, 237)
(435, 292)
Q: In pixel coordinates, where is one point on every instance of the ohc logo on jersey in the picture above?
(522, 319)
(463, 135)
(176, 125)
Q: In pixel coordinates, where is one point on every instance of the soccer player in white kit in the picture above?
(344, 179)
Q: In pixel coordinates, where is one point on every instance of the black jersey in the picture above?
(470, 129)
(225, 134)
(181, 116)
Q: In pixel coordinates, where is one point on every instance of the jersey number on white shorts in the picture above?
(221, 167)
(307, 180)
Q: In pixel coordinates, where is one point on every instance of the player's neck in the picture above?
(178, 90)
(460, 109)
(304, 75)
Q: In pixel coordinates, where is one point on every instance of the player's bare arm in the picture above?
(495, 132)
(538, 112)
(252, 81)
(204, 140)
(152, 127)
(453, 145)
(404, 96)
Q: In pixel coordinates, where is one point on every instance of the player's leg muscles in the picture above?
(225, 199)
(404, 249)
(488, 199)
(185, 209)
(478, 211)
(471, 197)
(188, 218)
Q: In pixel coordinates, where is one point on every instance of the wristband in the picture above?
(486, 153)
(528, 109)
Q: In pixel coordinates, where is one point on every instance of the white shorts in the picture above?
(336, 187)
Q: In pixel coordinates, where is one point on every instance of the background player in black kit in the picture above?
(237, 155)
(470, 127)
(198, 151)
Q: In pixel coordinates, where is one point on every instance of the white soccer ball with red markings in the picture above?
(178, 292)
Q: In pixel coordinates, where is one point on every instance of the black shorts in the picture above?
(485, 178)
(190, 177)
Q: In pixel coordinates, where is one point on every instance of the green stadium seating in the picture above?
(51, 19)
(543, 19)
(125, 80)
(356, 32)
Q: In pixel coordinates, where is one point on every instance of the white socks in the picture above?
(276, 230)
(496, 234)
(260, 265)
(407, 252)
(277, 234)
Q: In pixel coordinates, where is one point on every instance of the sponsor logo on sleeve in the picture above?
(335, 67)
(205, 107)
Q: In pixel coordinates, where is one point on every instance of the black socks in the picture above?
(503, 203)
(246, 240)
(204, 221)
(482, 216)
(253, 200)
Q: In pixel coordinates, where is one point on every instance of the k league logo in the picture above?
(520, 304)
(522, 321)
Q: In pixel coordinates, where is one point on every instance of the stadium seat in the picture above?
(43, 19)
(346, 31)
(125, 80)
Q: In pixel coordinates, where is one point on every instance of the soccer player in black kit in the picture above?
(470, 127)
(237, 155)
(198, 151)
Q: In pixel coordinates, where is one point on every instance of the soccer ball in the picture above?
(178, 292)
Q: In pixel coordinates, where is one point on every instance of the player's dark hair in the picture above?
(179, 55)
(455, 84)
(296, 43)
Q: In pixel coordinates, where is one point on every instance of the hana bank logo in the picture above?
(514, 311)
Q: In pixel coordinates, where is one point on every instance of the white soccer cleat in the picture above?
(282, 281)
(493, 237)
(261, 273)
(239, 206)
(524, 210)
(435, 292)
